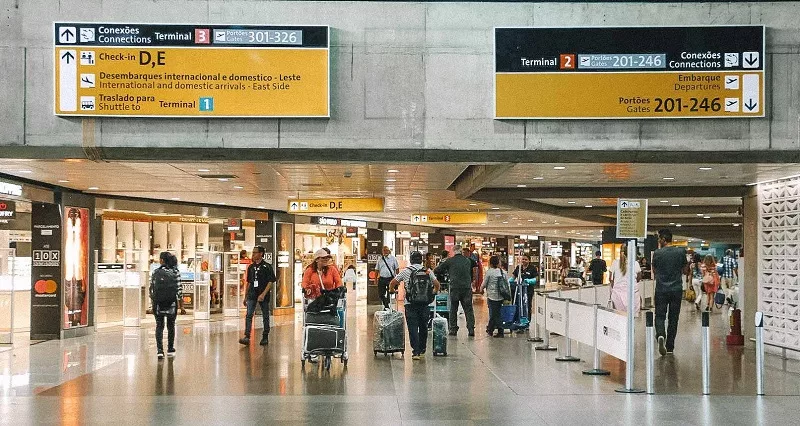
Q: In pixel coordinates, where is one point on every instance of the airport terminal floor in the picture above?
(114, 376)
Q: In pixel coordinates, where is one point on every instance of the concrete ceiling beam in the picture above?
(501, 194)
(476, 177)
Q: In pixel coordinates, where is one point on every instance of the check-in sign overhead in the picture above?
(146, 70)
(334, 205)
(629, 72)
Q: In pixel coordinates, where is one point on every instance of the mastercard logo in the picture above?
(42, 287)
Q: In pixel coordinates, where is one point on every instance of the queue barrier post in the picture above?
(534, 325)
(759, 353)
(567, 357)
(649, 338)
(545, 346)
(705, 351)
(596, 370)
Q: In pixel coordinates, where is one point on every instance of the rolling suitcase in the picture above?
(324, 338)
(322, 318)
(390, 329)
(439, 335)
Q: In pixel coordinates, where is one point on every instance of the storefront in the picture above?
(346, 240)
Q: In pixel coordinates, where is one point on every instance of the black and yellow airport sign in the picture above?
(629, 72)
(335, 205)
(454, 218)
(144, 70)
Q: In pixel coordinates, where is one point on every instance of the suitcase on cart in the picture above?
(390, 332)
(322, 318)
(507, 316)
(441, 306)
(439, 335)
(324, 338)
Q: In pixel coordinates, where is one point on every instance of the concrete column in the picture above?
(749, 285)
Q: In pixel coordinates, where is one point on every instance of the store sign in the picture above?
(332, 221)
(629, 72)
(146, 70)
(10, 189)
(234, 225)
(450, 218)
(631, 218)
(144, 217)
(46, 281)
(335, 205)
(8, 210)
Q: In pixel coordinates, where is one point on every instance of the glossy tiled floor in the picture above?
(114, 376)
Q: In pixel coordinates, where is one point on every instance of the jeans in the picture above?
(417, 320)
(668, 301)
(251, 310)
(464, 297)
(494, 317)
(383, 290)
(160, 327)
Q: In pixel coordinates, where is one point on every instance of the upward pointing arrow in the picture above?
(751, 59)
(67, 34)
(67, 56)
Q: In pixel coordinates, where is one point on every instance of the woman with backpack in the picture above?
(165, 290)
(710, 279)
(497, 289)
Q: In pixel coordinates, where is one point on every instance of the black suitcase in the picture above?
(322, 318)
(324, 338)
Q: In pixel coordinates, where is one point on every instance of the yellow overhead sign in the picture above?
(333, 205)
(137, 70)
(450, 218)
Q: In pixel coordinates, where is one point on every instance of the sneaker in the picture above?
(662, 349)
(500, 335)
(245, 341)
(697, 305)
(669, 351)
(171, 353)
(160, 355)
(452, 333)
(415, 357)
(471, 333)
(264, 341)
(313, 359)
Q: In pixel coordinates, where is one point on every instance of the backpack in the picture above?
(420, 287)
(165, 285)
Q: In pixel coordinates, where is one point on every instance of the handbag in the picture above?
(169, 311)
(691, 296)
(503, 287)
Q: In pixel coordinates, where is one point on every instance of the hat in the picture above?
(321, 253)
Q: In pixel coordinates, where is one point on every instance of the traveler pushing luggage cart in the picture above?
(325, 328)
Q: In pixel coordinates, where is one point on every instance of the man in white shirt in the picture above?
(387, 268)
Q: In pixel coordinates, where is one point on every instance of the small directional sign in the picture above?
(631, 218)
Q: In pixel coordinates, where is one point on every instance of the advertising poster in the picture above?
(45, 271)
(76, 267)
(284, 297)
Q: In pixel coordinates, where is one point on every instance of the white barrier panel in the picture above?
(541, 315)
(612, 332)
(648, 289)
(556, 316)
(574, 294)
(587, 295)
(603, 294)
(581, 318)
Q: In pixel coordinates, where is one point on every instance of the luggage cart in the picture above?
(334, 335)
(440, 305)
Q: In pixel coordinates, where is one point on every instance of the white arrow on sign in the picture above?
(750, 93)
(67, 80)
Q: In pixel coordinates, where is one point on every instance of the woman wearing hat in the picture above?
(320, 275)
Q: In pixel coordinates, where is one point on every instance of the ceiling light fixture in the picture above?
(473, 204)
(678, 225)
(203, 170)
(391, 180)
(175, 199)
(570, 202)
(530, 220)
(495, 208)
(664, 201)
(223, 179)
(522, 185)
(539, 178)
(706, 217)
(588, 206)
(93, 188)
(505, 221)
(736, 224)
(676, 205)
(393, 171)
(63, 181)
(559, 168)
(705, 169)
(260, 207)
(672, 223)
(237, 187)
(26, 171)
(668, 178)
(699, 214)
(222, 203)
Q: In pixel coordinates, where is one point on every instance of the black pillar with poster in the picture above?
(46, 283)
(374, 251)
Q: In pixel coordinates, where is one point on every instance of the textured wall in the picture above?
(404, 75)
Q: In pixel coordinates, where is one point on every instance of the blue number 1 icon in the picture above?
(206, 104)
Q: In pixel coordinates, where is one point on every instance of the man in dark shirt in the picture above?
(462, 272)
(260, 279)
(597, 267)
(669, 266)
(525, 271)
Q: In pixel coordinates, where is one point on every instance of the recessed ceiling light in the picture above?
(174, 198)
(530, 220)
(676, 205)
(393, 171)
(416, 195)
(664, 201)
(668, 178)
(699, 214)
(473, 204)
(706, 217)
(260, 207)
(522, 185)
(392, 208)
(559, 168)
(538, 178)
(672, 223)
(237, 187)
(26, 171)
(391, 180)
(704, 168)
(203, 170)
(223, 179)
(588, 206)
(736, 224)
(570, 202)
(93, 188)
(505, 221)
(678, 225)
(221, 203)
(63, 181)
(495, 208)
